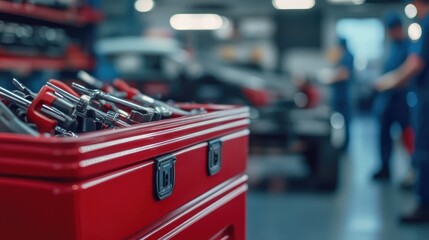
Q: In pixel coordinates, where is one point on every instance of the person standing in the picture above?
(416, 68)
(392, 104)
(340, 83)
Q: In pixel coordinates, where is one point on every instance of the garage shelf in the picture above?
(80, 17)
(44, 63)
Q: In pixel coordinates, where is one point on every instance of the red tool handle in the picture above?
(122, 86)
(65, 87)
(44, 124)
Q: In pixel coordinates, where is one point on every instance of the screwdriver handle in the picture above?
(45, 98)
(44, 124)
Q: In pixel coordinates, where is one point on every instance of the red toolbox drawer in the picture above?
(219, 216)
(115, 184)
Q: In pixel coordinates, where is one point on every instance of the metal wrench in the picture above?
(110, 117)
(98, 94)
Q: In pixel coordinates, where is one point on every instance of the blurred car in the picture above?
(281, 111)
(153, 64)
(295, 118)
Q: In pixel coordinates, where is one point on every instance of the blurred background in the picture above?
(311, 160)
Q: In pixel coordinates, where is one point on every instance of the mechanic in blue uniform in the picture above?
(416, 68)
(392, 104)
(340, 84)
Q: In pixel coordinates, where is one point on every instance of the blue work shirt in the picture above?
(421, 88)
(421, 113)
(340, 100)
(398, 52)
(396, 56)
(421, 48)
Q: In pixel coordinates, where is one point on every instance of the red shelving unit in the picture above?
(72, 60)
(79, 17)
(46, 63)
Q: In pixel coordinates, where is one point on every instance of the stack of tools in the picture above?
(60, 110)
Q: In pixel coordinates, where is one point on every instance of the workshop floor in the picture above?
(360, 210)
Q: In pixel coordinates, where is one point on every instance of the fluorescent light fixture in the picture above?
(414, 31)
(355, 2)
(410, 11)
(144, 5)
(294, 4)
(197, 22)
(358, 2)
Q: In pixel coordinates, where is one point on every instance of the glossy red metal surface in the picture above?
(101, 186)
(96, 153)
(220, 216)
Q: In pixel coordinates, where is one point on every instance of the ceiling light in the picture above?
(144, 5)
(294, 4)
(410, 11)
(356, 2)
(197, 22)
(414, 31)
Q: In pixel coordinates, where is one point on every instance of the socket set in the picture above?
(67, 111)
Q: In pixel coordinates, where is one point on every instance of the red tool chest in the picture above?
(180, 178)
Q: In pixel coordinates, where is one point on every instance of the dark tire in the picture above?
(323, 161)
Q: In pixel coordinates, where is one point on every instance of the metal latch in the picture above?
(214, 159)
(164, 176)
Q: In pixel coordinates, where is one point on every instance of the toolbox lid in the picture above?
(96, 153)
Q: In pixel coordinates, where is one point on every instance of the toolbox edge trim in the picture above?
(242, 112)
(101, 159)
(98, 181)
(238, 134)
(93, 147)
